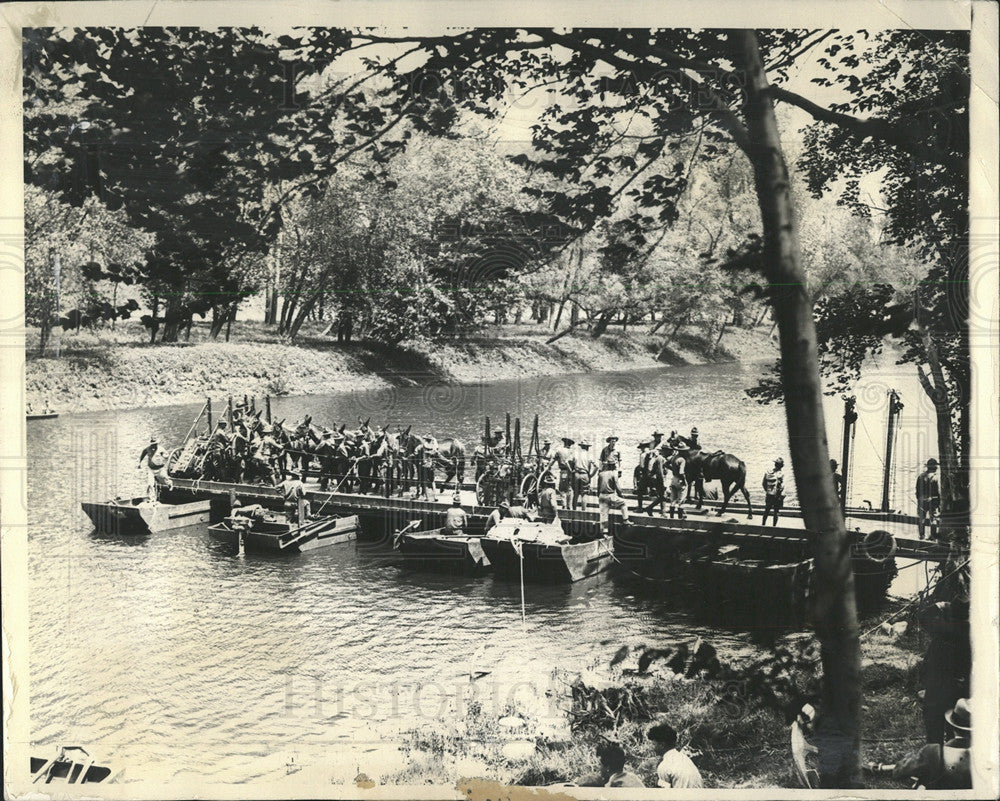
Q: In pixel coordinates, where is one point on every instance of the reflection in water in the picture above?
(170, 655)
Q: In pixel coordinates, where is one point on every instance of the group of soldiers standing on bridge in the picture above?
(246, 446)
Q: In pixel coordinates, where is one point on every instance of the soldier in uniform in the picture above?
(583, 472)
(656, 477)
(609, 495)
(292, 490)
(610, 453)
(152, 459)
(928, 499)
(455, 519)
(774, 491)
(692, 441)
(426, 454)
(565, 460)
(640, 476)
(676, 465)
(657, 439)
(548, 500)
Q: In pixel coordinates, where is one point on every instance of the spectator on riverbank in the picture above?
(804, 753)
(675, 769)
(612, 772)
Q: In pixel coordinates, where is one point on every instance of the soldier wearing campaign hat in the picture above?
(928, 499)
(584, 470)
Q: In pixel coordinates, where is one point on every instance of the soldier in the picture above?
(518, 508)
(928, 499)
(610, 453)
(564, 459)
(656, 477)
(583, 472)
(152, 459)
(676, 465)
(609, 495)
(548, 500)
(498, 514)
(693, 443)
(640, 476)
(455, 519)
(658, 438)
(426, 454)
(838, 480)
(546, 449)
(292, 490)
(774, 491)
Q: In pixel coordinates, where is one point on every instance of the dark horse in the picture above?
(718, 466)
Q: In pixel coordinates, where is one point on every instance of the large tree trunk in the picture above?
(834, 614)
(602, 323)
(936, 388)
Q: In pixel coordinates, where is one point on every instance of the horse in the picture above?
(720, 466)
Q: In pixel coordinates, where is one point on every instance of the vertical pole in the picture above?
(895, 407)
(230, 413)
(57, 267)
(487, 434)
(850, 418)
(267, 407)
(208, 407)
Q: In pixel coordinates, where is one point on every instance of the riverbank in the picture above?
(116, 370)
(732, 720)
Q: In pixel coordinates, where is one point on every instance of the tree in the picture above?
(670, 79)
(915, 87)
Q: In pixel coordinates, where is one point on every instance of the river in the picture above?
(169, 657)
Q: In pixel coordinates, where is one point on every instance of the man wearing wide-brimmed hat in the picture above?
(676, 465)
(928, 498)
(609, 495)
(548, 499)
(610, 453)
(426, 455)
(152, 459)
(584, 470)
(774, 491)
(564, 460)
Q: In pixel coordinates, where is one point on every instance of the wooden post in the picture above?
(850, 418)
(230, 412)
(508, 433)
(267, 408)
(208, 407)
(895, 408)
(487, 434)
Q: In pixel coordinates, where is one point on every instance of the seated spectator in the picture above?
(675, 769)
(612, 772)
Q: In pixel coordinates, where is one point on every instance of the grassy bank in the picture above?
(738, 739)
(118, 369)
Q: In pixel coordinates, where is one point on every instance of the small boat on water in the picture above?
(544, 552)
(143, 516)
(73, 765)
(41, 415)
(436, 549)
(275, 533)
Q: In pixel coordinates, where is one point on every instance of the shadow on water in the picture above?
(117, 538)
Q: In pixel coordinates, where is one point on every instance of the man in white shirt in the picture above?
(675, 769)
